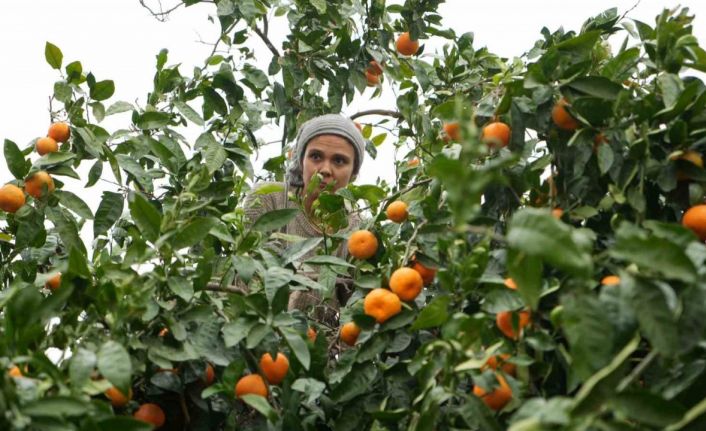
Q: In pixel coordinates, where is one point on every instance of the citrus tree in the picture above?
(538, 263)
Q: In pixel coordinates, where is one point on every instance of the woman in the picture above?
(329, 146)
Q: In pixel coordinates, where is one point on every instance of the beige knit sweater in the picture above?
(258, 204)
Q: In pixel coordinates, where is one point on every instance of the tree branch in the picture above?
(267, 41)
(386, 112)
(162, 14)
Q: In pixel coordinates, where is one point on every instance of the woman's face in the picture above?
(332, 157)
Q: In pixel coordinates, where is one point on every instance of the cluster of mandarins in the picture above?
(38, 184)
(404, 45)
(152, 413)
(405, 283)
(12, 198)
(694, 218)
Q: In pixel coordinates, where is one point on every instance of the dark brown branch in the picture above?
(386, 112)
(267, 41)
(216, 287)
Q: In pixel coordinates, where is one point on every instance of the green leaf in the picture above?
(357, 381)
(115, 365)
(300, 249)
(526, 272)
(193, 232)
(597, 86)
(657, 321)
(145, 215)
(310, 387)
(605, 158)
(109, 211)
(54, 159)
(74, 203)
(653, 253)
(647, 408)
(152, 120)
(298, 345)
(57, 407)
(63, 91)
(587, 327)
(53, 55)
(102, 90)
(274, 219)
(81, 366)
(234, 332)
(123, 423)
(328, 260)
(15, 160)
(434, 314)
(181, 287)
(66, 227)
(276, 278)
(261, 405)
(78, 265)
(189, 112)
(95, 173)
(537, 233)
(320, 5)
(214, 155)
(118, 107)
(671, 86)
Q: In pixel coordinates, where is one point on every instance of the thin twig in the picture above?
(162, 15)
(644, 363)
(385, 112)
(629, 10)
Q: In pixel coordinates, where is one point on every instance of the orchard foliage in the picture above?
(157, 305)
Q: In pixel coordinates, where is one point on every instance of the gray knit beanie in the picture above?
(329, 124)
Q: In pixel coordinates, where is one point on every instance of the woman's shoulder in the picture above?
(264, 197)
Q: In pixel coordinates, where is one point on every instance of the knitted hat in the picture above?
(329, 124)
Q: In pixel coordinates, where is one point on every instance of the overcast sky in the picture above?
(118, 40)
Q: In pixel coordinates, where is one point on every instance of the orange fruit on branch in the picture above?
(59, 132)
(510, 283)
(557, 213)
(349, 333)
(452, 131)
(54, 282)
(11, 198)
(397, 211)
(500, 360)
(610, 280)
(562, 118)
(405, 45)
(504, 322)
(46, 145)
(251, 384)
(406, 283)
(311, 334)
(498, 397)
(695, 219)
(150, 413)
(362, 244)
(35, 184)
(372, 79)
(692, 157)
(496, 134)
(117, 398)
(427, 274)
(381, 304)
(209, 375)
(15, 372)
(275, 370)
(374, 68)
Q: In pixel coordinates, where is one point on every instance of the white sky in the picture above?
(118, 40)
